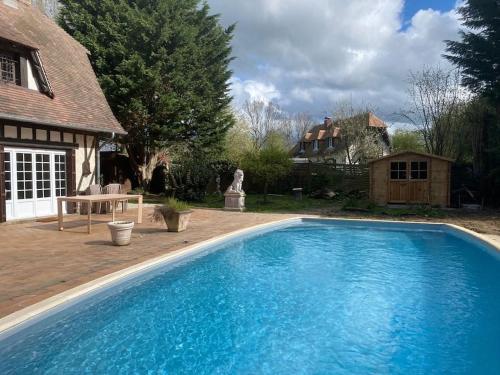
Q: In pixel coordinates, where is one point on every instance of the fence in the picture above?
(315, 176)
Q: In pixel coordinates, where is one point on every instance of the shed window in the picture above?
(418, 170)
(398, 170)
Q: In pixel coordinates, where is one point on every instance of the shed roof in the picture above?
(78, 101)
(396, 154)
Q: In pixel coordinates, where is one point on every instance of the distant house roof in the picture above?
(401, 153)
(78, 101)
(332, 129)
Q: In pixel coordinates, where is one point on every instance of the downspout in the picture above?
(98, 161)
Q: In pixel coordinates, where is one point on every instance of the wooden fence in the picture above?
(337, 177)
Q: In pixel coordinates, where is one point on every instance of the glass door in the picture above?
(34, 180)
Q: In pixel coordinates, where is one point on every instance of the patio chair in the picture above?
(96, 207)
(114, 189)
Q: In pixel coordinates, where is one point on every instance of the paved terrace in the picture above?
(37, 261)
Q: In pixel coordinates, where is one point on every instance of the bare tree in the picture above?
(359, 141)
(263, 119)
(296, 126)
(436, 98)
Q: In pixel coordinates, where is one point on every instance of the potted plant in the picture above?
(175, 213)
(121, 231)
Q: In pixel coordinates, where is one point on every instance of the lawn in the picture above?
(256, 203)
(287, 204)
(274, 203)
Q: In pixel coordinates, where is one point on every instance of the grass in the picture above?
(365, 206)
(275, 203)
(287, 204)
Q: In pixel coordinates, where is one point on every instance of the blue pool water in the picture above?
(310, 298)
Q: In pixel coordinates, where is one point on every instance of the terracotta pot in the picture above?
(121, 231)
(177, 221)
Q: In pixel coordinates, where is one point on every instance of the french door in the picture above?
(34, 179)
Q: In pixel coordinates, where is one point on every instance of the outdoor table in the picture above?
(89, 199)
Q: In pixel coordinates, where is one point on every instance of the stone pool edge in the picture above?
(10, 324)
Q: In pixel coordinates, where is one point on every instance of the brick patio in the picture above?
(37, 261)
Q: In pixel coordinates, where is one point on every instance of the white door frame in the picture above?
(14, 211)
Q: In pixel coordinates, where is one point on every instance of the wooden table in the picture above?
(89, 199)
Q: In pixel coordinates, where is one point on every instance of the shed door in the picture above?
(409, 182)
(398, 183)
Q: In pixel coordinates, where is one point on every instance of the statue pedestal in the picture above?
(234, 201)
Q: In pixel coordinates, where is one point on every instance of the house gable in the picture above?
(66, 91)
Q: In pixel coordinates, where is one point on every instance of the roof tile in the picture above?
(79, 102)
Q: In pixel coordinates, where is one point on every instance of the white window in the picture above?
(60, 177)
(315, 145)
(8, 179)
(330, 142)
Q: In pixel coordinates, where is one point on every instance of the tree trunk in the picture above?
(144, 171)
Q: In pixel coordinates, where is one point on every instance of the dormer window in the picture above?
(22, 66)
(315, 145)
(302, 147)
(9, 68)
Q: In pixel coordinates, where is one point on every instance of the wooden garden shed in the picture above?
(410, 178)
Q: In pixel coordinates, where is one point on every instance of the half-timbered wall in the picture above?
(80, 151)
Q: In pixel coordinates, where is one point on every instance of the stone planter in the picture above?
(121, 231)
(177, 221)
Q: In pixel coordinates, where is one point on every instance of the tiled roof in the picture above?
(375, 122)
(331, 129)
(78, 102)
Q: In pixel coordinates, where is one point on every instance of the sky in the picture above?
(311, 55)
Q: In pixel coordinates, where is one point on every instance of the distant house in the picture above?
(52, 114)
(323, 141)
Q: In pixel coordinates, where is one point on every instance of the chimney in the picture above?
(328, 121)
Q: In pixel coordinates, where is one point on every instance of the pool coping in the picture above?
(18, 319)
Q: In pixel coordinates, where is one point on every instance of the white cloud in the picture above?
(253, 90)
(307, 55)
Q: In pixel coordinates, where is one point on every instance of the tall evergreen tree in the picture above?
(478, 53)
(164, 68)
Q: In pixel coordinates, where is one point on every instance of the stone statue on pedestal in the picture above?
(234, 195)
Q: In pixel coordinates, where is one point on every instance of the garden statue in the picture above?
(235, 196)
(236, 186)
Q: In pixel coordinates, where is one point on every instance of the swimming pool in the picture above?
(308, 297)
